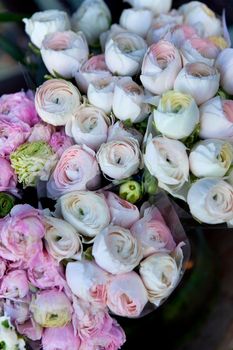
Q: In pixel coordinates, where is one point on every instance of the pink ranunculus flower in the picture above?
(91, 71)
(123, 213)
(8, 178)
(21, 233)
(59, 142)
(30, 329)
(60, 338)
(41, 132)
(14, 284)
(19, 105)
(181, 33)
(77, 169)
(17, 310)
(13, 133)
(3, 267)
(126, 295)
(153, 233)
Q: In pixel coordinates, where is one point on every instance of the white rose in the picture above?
(160, 274)
(62, 240)
(8, 336)
(136, 20)
(89, 126)
(100, 93)
(124, 53)
(87, 211)
(64, 52)
(211, 158)
(56, 100)
(211, 201)
(119, 159)
(177, 115)
(156, 6)
(198, 80)
(224, 63)
(45, 22)
(92, 18)
(128, 101)
(119, 131)
(116, 250)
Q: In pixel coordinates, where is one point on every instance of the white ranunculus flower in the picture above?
(45, 22)
(216, 116)
(56, 100)
(92, 18)
(119, 131)
(116, 250)
(128, 101)
(62, 240)
(156, 6)
(119, 159)
(8, 336)
(160, 273)
(64, 52)
(160, 67)
(87, 211)
(199, 80)
(100, 93)
(224, 63)
(106, 36)
(211, 158)
(136, 20)
(167, 160)
(89, 126)
(211, 201)
(177, 115)
(124, 53)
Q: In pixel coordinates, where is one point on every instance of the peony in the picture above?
(156, 6)
(89, 126)
(92, 71)
(177, 115)
(14, 285)
(136, 20)
(123, 213)
(198, 80)
(51, 308)
(124, 53)
(87, 281)
(59, 142)
(216, 118)
(128, 101)
(199, 50)
(62, 241)
(211, 158)
(119, 131)
(160, 67)
(87, 211)
(17, 309)
(119, 159)
(100, 93)
(160, 274)
(3, 267)
(30, 329)
(60, 338)
(77, 169)
(116, 250)
(33, 161)
(92, 18)
(126, 295)
(224, 64)
(8, 179)
(211, 201)
(64, 52)
(45, 22)
(8, 336)
(56, 101)
(41, 132)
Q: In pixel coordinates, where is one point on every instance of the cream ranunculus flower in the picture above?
(116, 250)
(89, 126)
(224, 63)
(45, 22)
(100, 93)
(156, 6)
(167, 160)
(177, 115)
(211, 201)
(136, 20)
(62, 240)
(56, 101)
(119, 159)
(64, 52)
(87, 211)
(160, 274)
(211, 158)
(124, 53)
(160, 67)
(199, 80)
(129, 101)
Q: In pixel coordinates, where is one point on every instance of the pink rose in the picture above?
(153, 233)
(17, 310)
(8, 179)
(14, 285)
(60, 142)
(2, 267)
(77, 169)
(41, 132)
(126, 295)
(60, 338)
(123, 213)
(21, 234)
(30, 329)
(21, 106)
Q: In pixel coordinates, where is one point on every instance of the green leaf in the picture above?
(12, 49)
(12, 17)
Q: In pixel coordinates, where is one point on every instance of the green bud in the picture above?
(150, 183)
(6, 204)
(131, 191)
